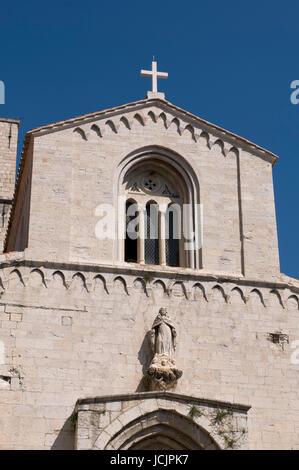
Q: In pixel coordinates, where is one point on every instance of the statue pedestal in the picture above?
(162, 373)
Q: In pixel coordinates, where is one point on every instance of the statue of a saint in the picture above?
(162, 373)
(163, 334)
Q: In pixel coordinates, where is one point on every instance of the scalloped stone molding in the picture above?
(91, 282)
(166, 121)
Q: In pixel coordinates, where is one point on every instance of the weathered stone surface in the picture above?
(74, 315)
(199, 424)
(8, 153)
(162, 373)
(79, 162)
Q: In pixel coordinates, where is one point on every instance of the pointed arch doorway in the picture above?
(157, 421)
(162, 430)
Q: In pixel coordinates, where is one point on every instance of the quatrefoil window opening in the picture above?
(151, 183)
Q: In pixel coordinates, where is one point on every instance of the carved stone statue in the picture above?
(163, 334)
(162, 373)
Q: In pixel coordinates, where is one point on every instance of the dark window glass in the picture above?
(151, 242)
(131, 233)
(172, 237)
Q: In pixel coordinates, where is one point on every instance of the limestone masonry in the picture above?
(86, 359)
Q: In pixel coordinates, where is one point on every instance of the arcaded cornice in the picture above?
(164, 105)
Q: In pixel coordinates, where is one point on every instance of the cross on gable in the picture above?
(154, 74)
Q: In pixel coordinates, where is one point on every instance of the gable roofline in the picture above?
(145, 102)
(164, 104)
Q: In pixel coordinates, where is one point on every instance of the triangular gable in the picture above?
(170, 113)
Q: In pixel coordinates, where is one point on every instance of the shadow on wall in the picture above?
(65, 439)
(144, 356)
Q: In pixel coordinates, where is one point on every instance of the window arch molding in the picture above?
(175, 167)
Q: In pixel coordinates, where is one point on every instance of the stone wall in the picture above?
(72, 332)
(76, 168)
(9, 129)
(159, 420)
(74, 317)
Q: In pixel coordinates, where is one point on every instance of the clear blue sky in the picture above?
(229, 62)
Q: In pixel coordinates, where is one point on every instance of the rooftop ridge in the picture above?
(163, 103)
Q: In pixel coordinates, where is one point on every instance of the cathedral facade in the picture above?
(116, 341)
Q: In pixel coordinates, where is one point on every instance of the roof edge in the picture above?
(12, 121)
(52, 126)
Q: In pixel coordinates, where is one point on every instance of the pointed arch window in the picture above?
(153, 234)
(131, 235)
(173, 235)
(161, 201)
(151, 241)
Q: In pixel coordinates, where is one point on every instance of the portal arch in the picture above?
(159, 428)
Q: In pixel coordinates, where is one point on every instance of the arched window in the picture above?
(151, 240)
(173, 235)
(131, 235)
(153, 226)
(166, 192)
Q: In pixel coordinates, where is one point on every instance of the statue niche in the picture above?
(162, 373)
